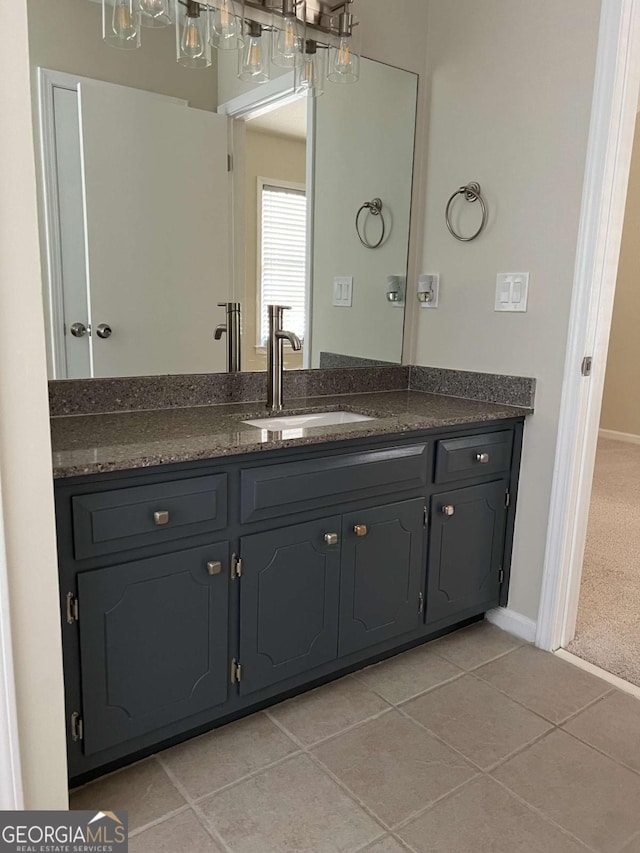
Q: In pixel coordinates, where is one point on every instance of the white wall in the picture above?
(25, 451)
(510, 94)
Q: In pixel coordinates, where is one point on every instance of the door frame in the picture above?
(613, 119)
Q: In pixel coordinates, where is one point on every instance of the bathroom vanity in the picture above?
(258, 566)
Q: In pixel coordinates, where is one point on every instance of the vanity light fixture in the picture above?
(121, 23)
(253, 65)
(286, 37)
(193, 35)
(309, 70)
(344, 60)
(155, 13)
(226, 31)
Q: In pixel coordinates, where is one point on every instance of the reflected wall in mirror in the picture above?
(166, 190)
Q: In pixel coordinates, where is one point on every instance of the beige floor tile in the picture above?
(612, 726)
(144, 790)
(388, 844)
(181, 833)
(224, 756)
(543, 682)
(585, 792)
(471, 716)
(475, 645)
(409, 674)
(328, 710)
(393, 766)
(291, 808)
(482, 817)
(633, 846)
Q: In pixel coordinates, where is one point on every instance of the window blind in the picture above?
(283, 257)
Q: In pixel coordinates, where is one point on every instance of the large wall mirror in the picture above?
(165, 191)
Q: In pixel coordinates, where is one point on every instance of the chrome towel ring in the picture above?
(472, 193)
(375, 209)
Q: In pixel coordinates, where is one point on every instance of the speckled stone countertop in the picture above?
(92, 444)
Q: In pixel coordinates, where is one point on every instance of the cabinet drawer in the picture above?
(118, 520)
(476, 456)
(278, 490)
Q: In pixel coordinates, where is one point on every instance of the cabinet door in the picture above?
(153, 643)
(383, 566)
(466, 550)
(289, 602)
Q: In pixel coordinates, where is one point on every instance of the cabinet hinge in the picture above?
(72, 608)
(501, 575)
(426, 516)
(77, 727)
(421, 603)
(236, 672)
(236, 567)
(507, 500)
(587, 365)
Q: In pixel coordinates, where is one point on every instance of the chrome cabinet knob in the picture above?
(331, 538)
(448, 510)
(104, 331)
(360, 530)
(214, 567)
(482, 458)
(161, 518)
(78, 330)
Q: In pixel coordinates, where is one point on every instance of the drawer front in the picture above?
(118, 520)
(279, 490)
(476, 456)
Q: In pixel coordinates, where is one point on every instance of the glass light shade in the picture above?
(226, 31)
(285, 41)
(344, 62)
(193, 48)
(121, 23)
(253, 66)
(309, 72)
(155, 13)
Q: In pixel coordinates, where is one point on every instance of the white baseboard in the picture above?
(515, 623)
(629, 437)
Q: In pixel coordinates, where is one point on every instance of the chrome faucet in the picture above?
(275, 355)
(232, 329)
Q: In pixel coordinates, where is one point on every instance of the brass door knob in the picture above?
(360, 529)
(482, 458)
(161, 518)
(448, 510)
(331, 538)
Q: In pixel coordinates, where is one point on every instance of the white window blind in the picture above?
(284, 257)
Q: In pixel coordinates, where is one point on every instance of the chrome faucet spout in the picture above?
(220, 331)
(294, 340)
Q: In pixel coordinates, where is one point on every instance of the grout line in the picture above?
(615, 760)
(591, 704)
(478, 666)
(306, 747)
(614, 680)
(422, 811)
(246, 777)
(158, 821)
(433, 687)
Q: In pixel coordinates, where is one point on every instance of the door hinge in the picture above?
(72, 608)
(236, 671)
(236, 567)
(77, 727)
(229, 163)
(421, 603)
(501, 575)
(426, 516)
(507, 499)
(587, 365)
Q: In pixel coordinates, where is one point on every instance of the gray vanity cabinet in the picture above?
(382, 579)
(466, 549)
(289, 602)
(153, 643)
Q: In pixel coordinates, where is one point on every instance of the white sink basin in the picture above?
(299, 422)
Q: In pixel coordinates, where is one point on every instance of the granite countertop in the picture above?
(92, 444)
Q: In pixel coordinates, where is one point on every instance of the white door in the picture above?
(157, 190)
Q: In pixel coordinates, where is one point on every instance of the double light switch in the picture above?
(512, 291)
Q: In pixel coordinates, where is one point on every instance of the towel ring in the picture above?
(472, 193)
(375, 209)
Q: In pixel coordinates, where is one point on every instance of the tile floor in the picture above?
(473, 743)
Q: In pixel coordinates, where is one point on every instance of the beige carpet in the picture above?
(608, 631)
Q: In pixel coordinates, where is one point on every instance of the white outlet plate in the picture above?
(343, 291)
(429, 284)
(512, 292)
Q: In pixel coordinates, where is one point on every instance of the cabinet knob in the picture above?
(214, 567)
(448, 510)
(482, 458)
(331, 538)
(161, 518)
(360, 529)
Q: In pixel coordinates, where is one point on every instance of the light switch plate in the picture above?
(429, 290)
(343, 291)
(512, 291)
